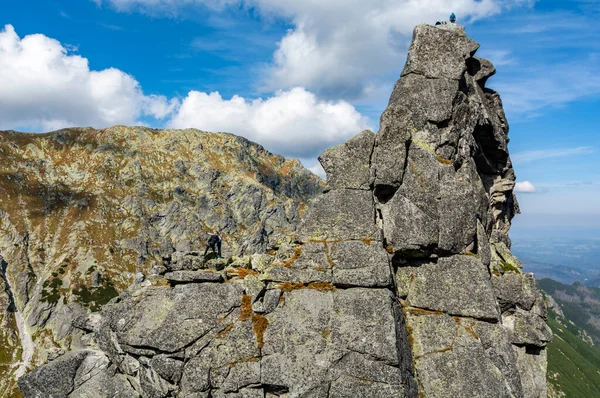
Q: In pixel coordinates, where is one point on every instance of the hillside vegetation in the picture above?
(574, 354)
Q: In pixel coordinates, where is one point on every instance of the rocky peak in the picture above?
(398, 282)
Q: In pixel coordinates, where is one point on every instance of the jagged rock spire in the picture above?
(399, 283)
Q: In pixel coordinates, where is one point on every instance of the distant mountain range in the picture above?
(566, 256)
(561, 273)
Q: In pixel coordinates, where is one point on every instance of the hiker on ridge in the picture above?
(214, 243)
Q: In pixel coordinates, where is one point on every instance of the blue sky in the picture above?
(301, 75)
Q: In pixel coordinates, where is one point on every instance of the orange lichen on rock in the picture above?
(367, 241)
(321, 286)
(259, 322)
(259, 325)
(468, 328)
(242, 272)
(225, 331)
(444, 161)
(288, 263)
(160, 282)
(288, 286)
(246, 312)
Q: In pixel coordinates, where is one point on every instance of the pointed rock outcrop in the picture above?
(399, 280)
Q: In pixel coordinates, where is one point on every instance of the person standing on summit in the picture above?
(452, 18)
(214, 243)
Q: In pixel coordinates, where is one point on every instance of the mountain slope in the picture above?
(579, 303)
(574, 353)
(83, 210)
(573, 363)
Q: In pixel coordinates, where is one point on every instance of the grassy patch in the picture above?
(573, 364)
(95, 297)
(508, 267)
(51, 291)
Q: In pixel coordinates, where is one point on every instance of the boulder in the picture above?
(347, 165)
(457, 285)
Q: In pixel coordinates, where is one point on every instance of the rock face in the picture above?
(83, 211)
(399, 281)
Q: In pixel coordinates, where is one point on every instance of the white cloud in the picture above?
(336, 48)
(44, 86)
(525, 187)
(532, 156)
(292, 122)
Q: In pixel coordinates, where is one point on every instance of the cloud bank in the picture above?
(293, 122)
(43, 86)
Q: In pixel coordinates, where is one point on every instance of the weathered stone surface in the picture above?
(360, 263)
(326, 326)
(514, 289)
(502, 253)
(271, 299)
(253, 287)
(348, 165)
(495, 340)
(532, 364)
(441, 342)
(349, 387)
(457, 285)
(457, 209)
(484, 252)
(436, 53)
(193, 276)
(407, 228)
(429, 99)
(341, 214)
(213, 366)
(170, 319)
(167, 367)
(527, 328)
(421, 185)
(105, 384)
(481, 70)
(306, 263)
(389, 155)
(460, 367)
(152, 385)
(55, 379)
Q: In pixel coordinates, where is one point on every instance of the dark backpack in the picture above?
(213, 240)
